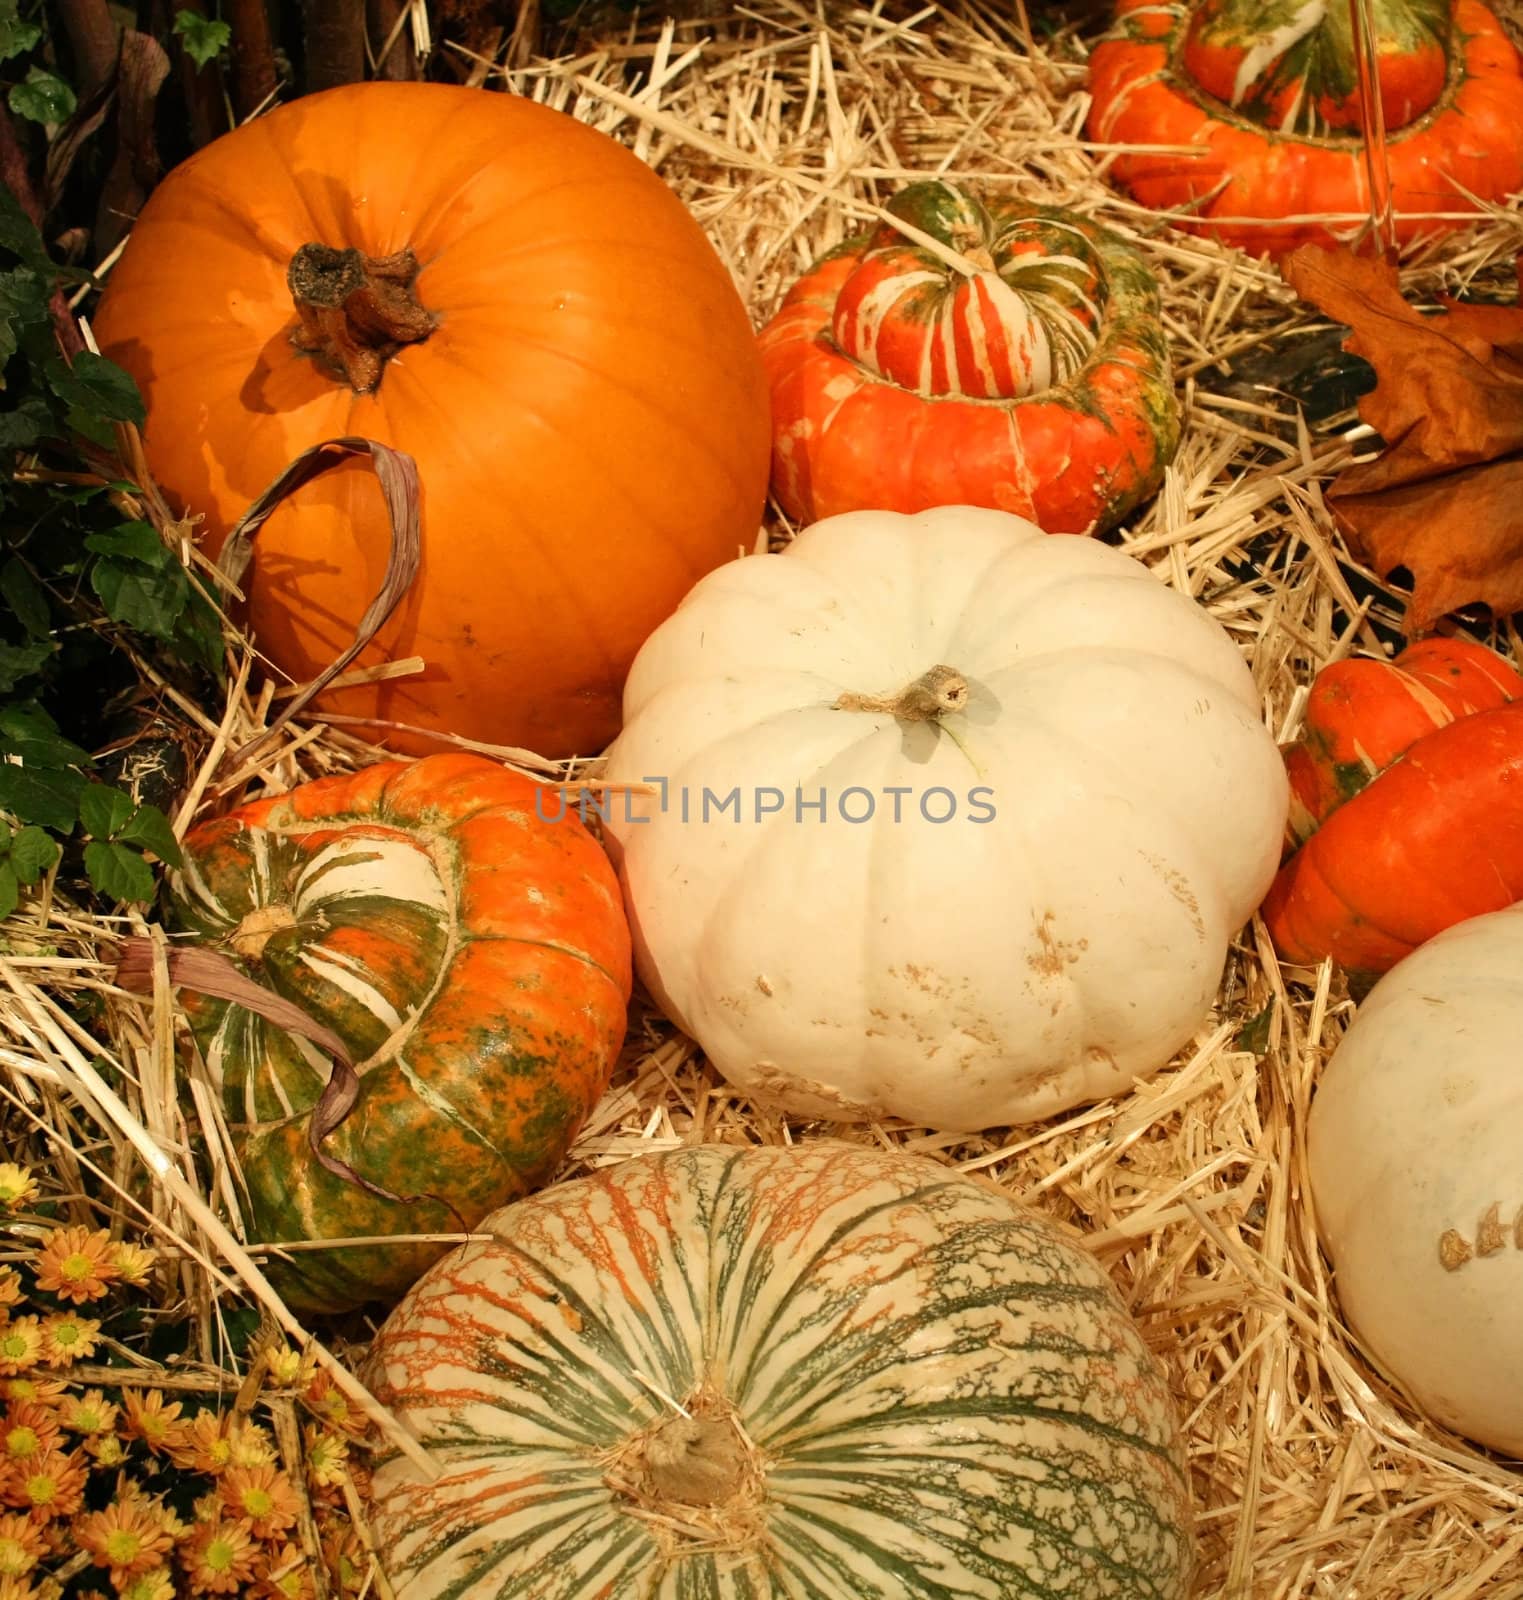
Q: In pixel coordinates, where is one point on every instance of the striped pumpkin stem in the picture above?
(1026, 316)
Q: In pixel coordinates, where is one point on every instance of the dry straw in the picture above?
(785, 129)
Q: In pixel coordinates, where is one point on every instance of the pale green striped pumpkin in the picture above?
(819, 1373)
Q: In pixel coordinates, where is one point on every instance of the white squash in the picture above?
(1071, 804)
(1415, 1151)
(819, 1373)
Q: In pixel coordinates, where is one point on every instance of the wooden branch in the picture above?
(202, 87)
(15, 172)
(335, 43)
(95, 38)
(400, 62)
(253, 53)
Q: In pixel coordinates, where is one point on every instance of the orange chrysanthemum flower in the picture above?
(289, 1578)
(17, 1589)
(17, 1186)
(127, 1538)
(49, 1485)
(252, 1445)
(67, 1338)
(153, 1420)
(76, 1264)
(262, 1496)
(22, 1545)
(218, 1557)
(106, 1449)
(90, 1412)
(327, 1401)
(20, 1344)
(10, 1287)
(204, 1446)
(292, 1369)
(327, 1456)
(27, 1429)
(207, 1507)
(155, 1584)
(345, 1559)
(133, 1262)
(43, 1391)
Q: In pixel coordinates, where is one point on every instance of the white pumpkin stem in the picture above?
(930, 696)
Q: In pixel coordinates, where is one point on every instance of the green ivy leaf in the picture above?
(16, 36)
(149, 827)
(23, 304)
(92, 384)
(19, 661)
(33, 851)
(45, 795)
(104, 811)
(27, 731)
(10, 890)
(138, 541)
(204, 38)
(42, 96)
(19, 235)
(25, 596)
(118, 871)
(139, 597)
(22, 428)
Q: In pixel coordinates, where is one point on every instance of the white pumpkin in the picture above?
(954, 818)
(1415, 1151)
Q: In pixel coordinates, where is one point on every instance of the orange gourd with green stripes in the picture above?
(463, 935)
(1030, 375)
(825, 1372)
(1246, 117)
(1406, 805)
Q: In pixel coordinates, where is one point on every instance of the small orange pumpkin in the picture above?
(516, 301)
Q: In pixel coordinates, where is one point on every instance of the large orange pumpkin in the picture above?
(512, 298)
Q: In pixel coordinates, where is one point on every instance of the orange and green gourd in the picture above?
(1010, 357)
(1261, 104)
(1406, 805)
(827, 1372)
(461, 932)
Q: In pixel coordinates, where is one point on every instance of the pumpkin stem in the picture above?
(356, 310)
(930, 696)
(694, 1461)
(251, 935)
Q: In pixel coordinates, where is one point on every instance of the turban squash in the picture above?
(823, 1371)
(1407, 805)
(508, 296)
(473, 957)
(1264, 98)
(1038, 382)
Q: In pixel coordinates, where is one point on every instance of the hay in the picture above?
(785, 129)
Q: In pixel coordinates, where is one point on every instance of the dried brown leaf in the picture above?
(1444, 499)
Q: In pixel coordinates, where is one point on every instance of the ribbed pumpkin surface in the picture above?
(820, 1373)
(474, 958)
